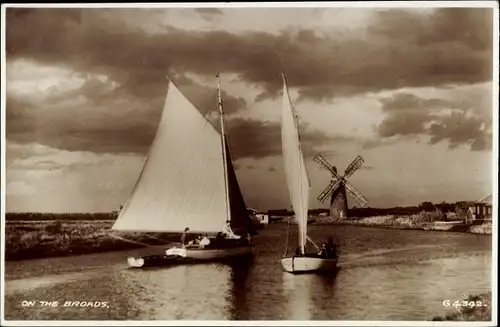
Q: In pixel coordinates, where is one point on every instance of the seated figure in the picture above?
(204, 242)
(195, 242)
(228, 232)
(332, 248)
(323, 251)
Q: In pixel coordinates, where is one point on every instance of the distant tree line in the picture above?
(460, 208)
(60, 216)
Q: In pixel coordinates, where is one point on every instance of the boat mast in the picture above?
(223, 142)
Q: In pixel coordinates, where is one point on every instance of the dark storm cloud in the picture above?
(111, 122)
(461, 122)
(459, 129)
(257, 139)
(205, 97)
(92, 131)
(407, 114)
(209, 14)
(401, 48)
(469, 27)
(124, 133)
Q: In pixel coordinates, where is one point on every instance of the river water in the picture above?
(385, 274)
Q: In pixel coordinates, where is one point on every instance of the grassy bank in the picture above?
(30, 239)
(417, 221)
(470, 312)
(41, 239)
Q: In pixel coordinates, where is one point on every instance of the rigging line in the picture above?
(207, 119)
(315, 245)
(129, 241)
(156, 238)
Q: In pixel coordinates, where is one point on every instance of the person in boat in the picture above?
(323, 251)
(218, 240)
(204, 242)
(184, 235)
(195, 242)
(228, 232)
(332, 248)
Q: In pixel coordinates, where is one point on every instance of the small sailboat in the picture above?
(188, 185)
(298, 187)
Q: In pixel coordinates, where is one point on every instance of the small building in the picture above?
(481, 210)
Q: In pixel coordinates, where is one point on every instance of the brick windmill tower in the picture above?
(338, 187)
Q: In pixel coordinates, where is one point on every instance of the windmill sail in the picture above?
(295, 169)
(182, 183)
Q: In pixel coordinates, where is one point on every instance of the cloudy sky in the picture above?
(409, 89)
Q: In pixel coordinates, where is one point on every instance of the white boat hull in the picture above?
(210, 254)
(135, 262)
(308, 264)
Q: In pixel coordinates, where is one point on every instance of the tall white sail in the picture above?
(182, 181)
(295, 168)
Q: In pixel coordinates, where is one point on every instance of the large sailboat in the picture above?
(188, 185)
(298, 187)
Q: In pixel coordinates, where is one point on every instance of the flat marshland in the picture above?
(51, 238)
(414, 221)
(33, 235)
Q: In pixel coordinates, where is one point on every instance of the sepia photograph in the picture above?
(274, 163)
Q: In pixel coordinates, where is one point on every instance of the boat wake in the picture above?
(406, 255)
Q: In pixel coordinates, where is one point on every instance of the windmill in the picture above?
(338, 186)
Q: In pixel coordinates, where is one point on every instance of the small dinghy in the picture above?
(154, 261)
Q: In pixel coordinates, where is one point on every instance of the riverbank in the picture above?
(42, 239)
(476, 308)
(417, 221)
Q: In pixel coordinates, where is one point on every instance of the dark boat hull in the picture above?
(180, 256)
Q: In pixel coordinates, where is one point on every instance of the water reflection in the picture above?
(308, 295)
(237, 294)
(212, 291)
(386, 275)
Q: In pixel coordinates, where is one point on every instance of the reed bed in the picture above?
(39, 239)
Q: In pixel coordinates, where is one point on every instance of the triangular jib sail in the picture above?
(295, 168)
(182, 183)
